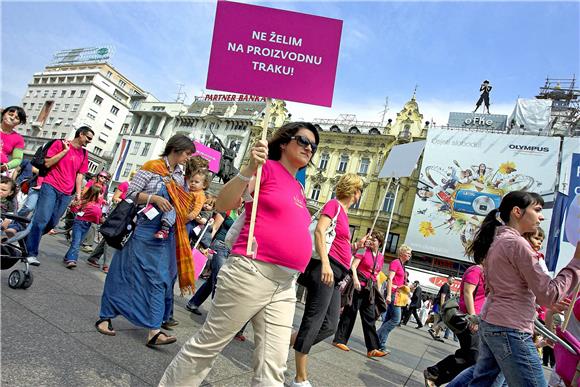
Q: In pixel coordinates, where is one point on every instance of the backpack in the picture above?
(452, 317)
(38, 160)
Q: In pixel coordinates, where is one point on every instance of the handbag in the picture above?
(380, 303)
(329, 234)
(120, 224)
(401, 296)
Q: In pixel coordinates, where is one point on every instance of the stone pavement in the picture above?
(48, 338)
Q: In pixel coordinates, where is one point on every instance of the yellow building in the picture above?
(347, 145)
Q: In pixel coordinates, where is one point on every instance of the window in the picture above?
(72, 93)
(364, 166)
(62, 135)
(53, 134)
(109, 74)
(65, 107)
(45, 94)
(75, 107)
(162, 108)
(388, 202)
(62, 93)
(146, 149)
(333, 194)
(392, 242)
(343, 163)
(136, 147)
(31, 106)
(97, 151)
(54, 93)
(82, 93)
(357, 204)
(315, 192)
(122, 83)
(323, 161)
(56, 107)
(24, 105)
(98, 99)
(69, 121)
(114, 110)
(127, 169)
(109, 124)
(91, 116)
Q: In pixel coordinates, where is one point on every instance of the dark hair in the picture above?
(21, 113)
(83, 130)
(178, 144)
(484, 237)
(91, 194)
(379, 235)
(7, 180)
(283, 136)
(539, 231)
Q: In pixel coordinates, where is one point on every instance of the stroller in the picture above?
(14, 250)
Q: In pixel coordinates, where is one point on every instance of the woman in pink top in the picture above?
(88, 212)
(259, 287)
(321, 278)
(514, 283)
(11, 142)
(471, 300)
(365, 268)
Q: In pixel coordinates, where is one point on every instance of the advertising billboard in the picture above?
(463, 177)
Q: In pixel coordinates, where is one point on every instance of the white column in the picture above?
(159, 129)
(150, 125)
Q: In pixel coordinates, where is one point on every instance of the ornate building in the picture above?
(347, 145)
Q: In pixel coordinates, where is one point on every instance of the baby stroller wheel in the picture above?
(16, 279)
(28, 278)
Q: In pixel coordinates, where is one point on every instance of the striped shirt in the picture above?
(150, 183)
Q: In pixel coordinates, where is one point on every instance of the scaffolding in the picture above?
(565, 116)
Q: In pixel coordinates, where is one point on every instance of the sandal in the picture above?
(154, 341)
(110, 331)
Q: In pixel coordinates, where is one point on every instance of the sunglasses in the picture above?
(304, 142)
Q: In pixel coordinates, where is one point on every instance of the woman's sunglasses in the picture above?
(304, 142)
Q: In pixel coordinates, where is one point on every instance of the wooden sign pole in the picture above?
(391, 217)
(266, 123)
(380, 205)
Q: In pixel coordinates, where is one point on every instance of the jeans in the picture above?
(509, 351)
(29, 204)
(217, 261)
(79, 230)
(391, 320)
(466, 375)
(50, 206)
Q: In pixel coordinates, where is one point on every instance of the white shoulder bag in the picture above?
(330, 233)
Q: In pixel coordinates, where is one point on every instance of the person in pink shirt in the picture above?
(67, 162)
(396, 279)
(471, 300)
(322, 276)
(88, 212)
(258, 287)
(11, 142)
(515, 282)
(365, 268)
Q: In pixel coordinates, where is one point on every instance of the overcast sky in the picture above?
(446, 48)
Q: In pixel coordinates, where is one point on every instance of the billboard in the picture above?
(82, 55)
(274, 53)
(463, 177)
(496, 122)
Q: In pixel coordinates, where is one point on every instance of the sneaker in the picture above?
(87, 249)
(429, 378)
(305, 383)
(193, 309)
(33, 261)
(377, 353)
(419, 327)
(70, 264)
(341, 346)
(161, 234)
(93, 263)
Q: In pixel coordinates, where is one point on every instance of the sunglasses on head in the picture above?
(304, 142)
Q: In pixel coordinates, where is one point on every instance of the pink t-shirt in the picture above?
(9, 142)
(366, 268)
(399, 279)
(474, 276)
(62, 175)
(340, 249)
(92, 212)
(282, 221)
(123, 187)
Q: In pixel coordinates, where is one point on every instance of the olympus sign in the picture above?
(529, 148)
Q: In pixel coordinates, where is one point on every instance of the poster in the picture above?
(211, 155)
(464, 176)
(274, 53)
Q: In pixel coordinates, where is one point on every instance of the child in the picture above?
(88, 211)
(7, 203)
(200, 222)
(536, 239)
(198, 180)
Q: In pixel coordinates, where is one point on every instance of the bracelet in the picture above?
(243, 178)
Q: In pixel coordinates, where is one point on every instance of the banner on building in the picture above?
(274, 53)
(464, 176)
(211, 155)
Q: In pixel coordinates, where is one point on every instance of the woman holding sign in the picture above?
(259, 287)
(322, 309)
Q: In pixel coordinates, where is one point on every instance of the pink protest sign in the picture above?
(209, 154)
(274, 53)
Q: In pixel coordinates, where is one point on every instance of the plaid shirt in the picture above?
(150, 183)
